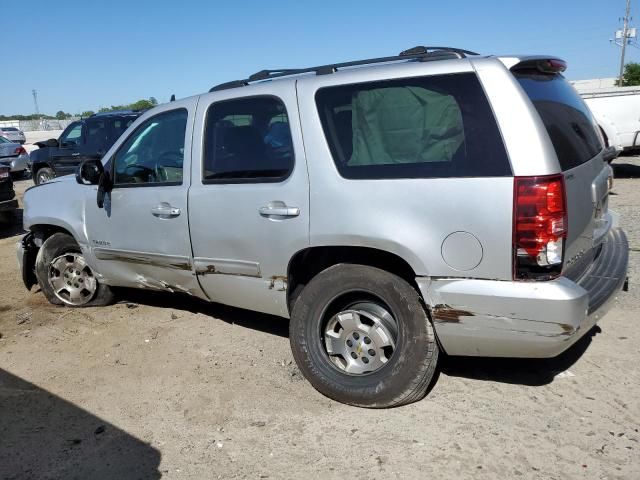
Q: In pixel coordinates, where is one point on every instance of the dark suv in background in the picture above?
(82, 140)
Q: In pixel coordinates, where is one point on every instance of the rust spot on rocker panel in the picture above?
(206, 270)
(140, 260)
(444, 313)
(279, 282)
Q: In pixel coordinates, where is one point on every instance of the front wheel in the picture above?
(64, 276)
(43, 175)
(361, 336)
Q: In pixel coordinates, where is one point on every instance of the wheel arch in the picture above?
(32, 243)
(309, 262)
(42, 231)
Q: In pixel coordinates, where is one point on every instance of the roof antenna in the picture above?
(173, 97)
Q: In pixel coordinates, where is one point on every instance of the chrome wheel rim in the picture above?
(361, 339)
(43, 177)
(71, 279)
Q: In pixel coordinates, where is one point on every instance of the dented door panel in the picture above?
(141, 236)
(244, 233)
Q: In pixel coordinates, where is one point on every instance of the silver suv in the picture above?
(392, 208)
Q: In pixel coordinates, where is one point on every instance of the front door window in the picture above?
(154, 153)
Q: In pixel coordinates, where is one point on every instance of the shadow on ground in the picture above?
(13, 227)
(625, 170)
(532, 372)
(44, 436)
(237, 316)
(520, 371)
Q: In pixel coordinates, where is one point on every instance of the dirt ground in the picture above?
(162, 385)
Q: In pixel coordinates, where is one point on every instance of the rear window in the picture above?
(437, 126)
(247, 140)
(9, 129)
(566, 117)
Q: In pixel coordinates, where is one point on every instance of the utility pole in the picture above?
(625, 33)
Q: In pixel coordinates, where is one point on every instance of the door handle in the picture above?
(278, 209)
(77, 154)
(165, 210)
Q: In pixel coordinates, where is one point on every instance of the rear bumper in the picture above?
(526, 319)
(17, 164)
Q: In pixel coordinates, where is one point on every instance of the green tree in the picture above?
(631, 75)
(60, 115)
(143, 104)
(88, 113)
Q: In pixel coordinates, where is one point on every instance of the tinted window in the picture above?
(438, 126)
(96, 133)
(4, 140)
(154, 153)
(72, 136)
(9, 129)
(118, 127)
(565, 116)
(247, 140)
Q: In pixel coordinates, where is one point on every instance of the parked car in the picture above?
(616, 112)
(81, 140)
(14, 156)
(8, 203)
(13, 134)
(392, 208)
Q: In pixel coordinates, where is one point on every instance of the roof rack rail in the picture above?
(419, 53)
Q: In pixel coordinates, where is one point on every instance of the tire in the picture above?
(8, 218)
(43, 175)
(58, 250)
(335, 294)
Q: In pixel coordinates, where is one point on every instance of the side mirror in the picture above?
(52, 142)
(105, 185)
(89, 172)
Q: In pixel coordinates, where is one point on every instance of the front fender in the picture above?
(59, 204)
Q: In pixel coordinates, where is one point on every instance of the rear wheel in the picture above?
(43, 175)
(65, 277)
(361, 336)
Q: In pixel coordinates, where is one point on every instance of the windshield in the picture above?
(567, 119)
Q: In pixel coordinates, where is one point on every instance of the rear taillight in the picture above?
(539, 227)
(20, 151)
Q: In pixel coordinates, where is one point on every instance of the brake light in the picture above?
(553, 65)
(20, 151)
(539, 226)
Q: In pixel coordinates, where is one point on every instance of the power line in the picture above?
(623, 37)
(35, 101)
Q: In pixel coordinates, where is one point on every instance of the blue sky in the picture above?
(83, 55)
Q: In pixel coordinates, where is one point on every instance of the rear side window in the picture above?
(96, 134)
(247, 140)
(437, 126)
(567, 119)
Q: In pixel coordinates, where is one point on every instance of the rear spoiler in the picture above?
(541, 64)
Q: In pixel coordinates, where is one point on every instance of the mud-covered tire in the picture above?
(406, 375)
(55, 246)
